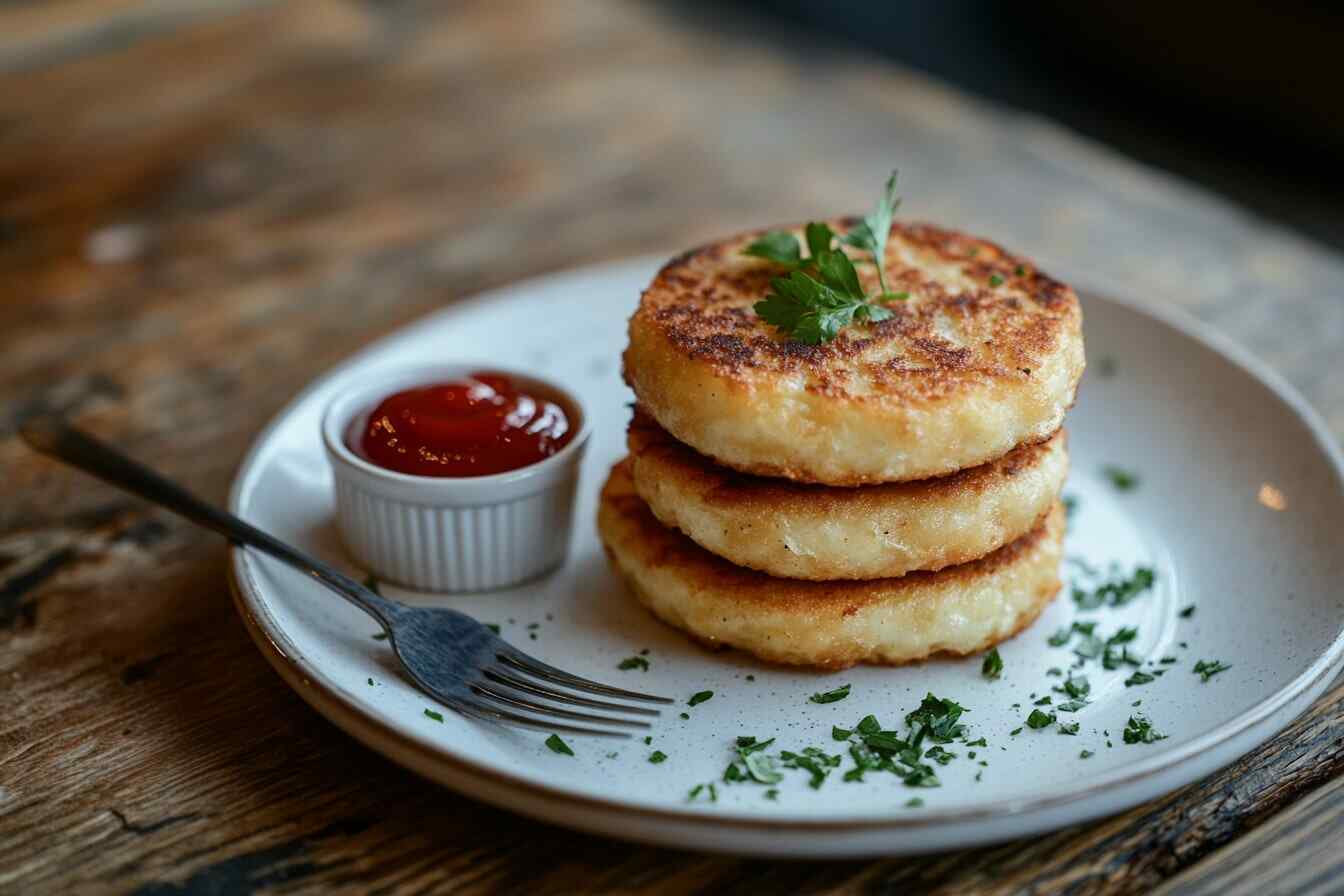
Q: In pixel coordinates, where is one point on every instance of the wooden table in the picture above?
(202, 206)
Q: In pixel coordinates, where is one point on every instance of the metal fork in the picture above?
(447, 654)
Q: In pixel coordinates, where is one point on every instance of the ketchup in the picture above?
(476, 426)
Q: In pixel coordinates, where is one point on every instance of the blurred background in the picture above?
(1243, 97)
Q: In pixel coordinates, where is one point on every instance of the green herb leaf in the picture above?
(813, 309)
(938, 717)
(871, 234)
(700, 697)
(995, 280)
(1116, 592)
(838, 733)
(838, 694)
(761, 768)
(438, 717)
(1086, 754)
(1070, 728)
(558, 746)
(709, 790)
(992, 667)
(914, 802)
(778, 246)
(1139, 677)
(1038, 719)
(1206, 669)
(819, 237)
(747, 745)
(1122, 479)
(1187, 612)
(657, 756)
(1138, 730)
(633, 662)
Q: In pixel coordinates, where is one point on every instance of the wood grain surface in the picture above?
(202, 206)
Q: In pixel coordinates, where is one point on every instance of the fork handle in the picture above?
(56, 438)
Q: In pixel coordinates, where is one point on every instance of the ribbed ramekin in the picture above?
(451, 533)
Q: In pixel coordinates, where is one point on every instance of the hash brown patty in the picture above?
(983, 356)
(801, 531)
(830, 625)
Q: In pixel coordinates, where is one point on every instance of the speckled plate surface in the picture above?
(1237, 508)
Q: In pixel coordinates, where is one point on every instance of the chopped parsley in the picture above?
(939, 755)
(995, 280)
(938, 718)
(633, 662)
(381, 636)
(1086, 754)
(1038, 720)
(1077, 687)
(700, 697)
(1206, 669)
(910, 756)
(838, 694)
(657, 756)
(1187, 612)
(370, 682)
(558, 746)
(1138, 730)
(914, 803)
(992, 667)
(1123, 480)
(1139, 677)
(709, 790)
(431, 714)
(1070, 728)
(1115, 592)
(494, 628)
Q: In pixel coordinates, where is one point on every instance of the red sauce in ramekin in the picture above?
(482, 424)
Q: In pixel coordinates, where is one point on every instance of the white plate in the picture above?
(1203, 426)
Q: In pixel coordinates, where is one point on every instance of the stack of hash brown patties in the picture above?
(882, 497)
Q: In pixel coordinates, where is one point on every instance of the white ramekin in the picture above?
(444, 533)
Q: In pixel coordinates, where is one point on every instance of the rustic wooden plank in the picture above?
(230, 201)
(1295, 852)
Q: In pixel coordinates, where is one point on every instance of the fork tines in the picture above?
(512, 690)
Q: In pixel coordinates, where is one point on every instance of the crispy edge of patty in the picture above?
(956, 611)
(800, 531)
(727, 384)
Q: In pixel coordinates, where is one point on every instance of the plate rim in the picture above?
(319, 692)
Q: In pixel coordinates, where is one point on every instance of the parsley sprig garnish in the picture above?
(871, 234)
(822, 294)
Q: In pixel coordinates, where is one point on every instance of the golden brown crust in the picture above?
(980, 358)
(798, 530)
(958, 610)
